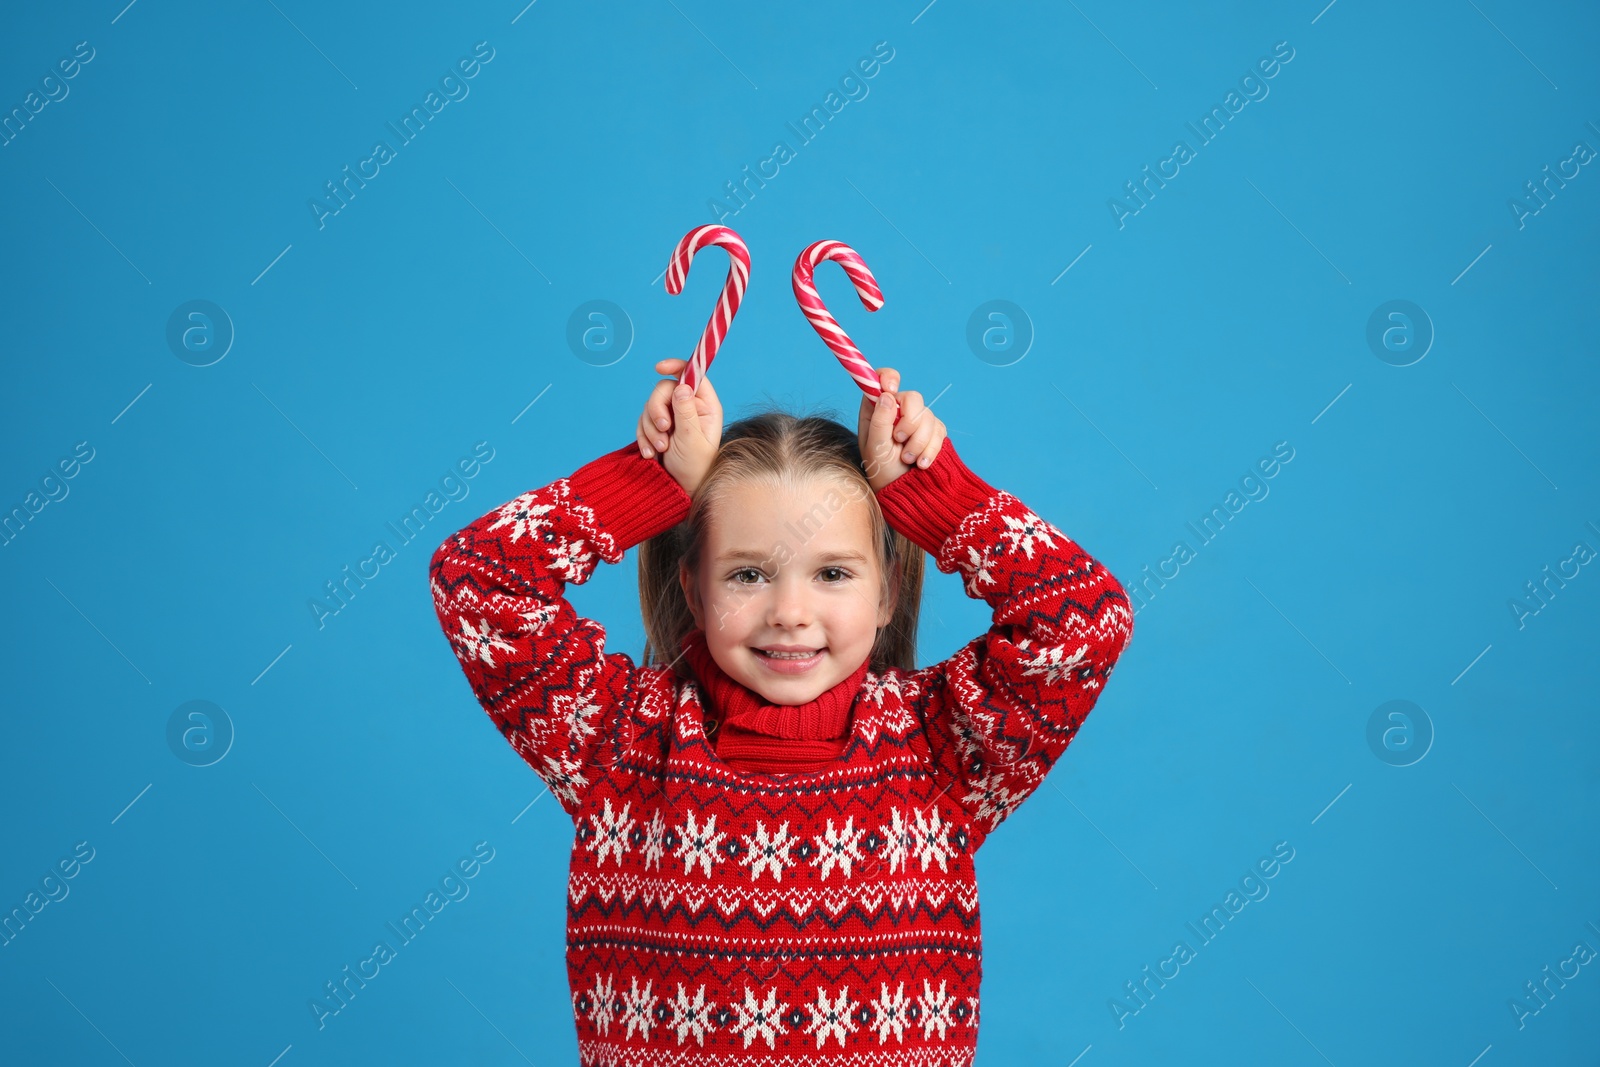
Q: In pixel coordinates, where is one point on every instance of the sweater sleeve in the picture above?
(1000, 712)
(539, 669)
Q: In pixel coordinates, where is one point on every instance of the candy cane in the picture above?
(805, 291)
(732, 292)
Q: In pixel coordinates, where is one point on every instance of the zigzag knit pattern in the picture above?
(717, 917)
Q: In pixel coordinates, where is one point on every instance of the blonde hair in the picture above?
(777, 448)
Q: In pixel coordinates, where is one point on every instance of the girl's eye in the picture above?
(843, 575)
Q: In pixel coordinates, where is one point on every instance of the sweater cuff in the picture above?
(633, 498)
(927, 504)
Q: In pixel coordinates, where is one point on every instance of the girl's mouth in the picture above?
(789, 662)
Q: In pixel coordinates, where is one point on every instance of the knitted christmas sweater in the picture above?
(717, 916)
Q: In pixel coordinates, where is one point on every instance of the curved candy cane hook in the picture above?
(732, 292)
(805, 291)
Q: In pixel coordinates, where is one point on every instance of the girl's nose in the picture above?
(790, 603)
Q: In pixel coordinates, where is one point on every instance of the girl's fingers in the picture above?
(880, 447)
(888, 378)
(651, 440)
(660, 406)
(706, 399)
(921, 438)
(922, 431)
(658, 410)
(864, 422)
(912, 411)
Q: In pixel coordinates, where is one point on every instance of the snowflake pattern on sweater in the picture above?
(719, 917)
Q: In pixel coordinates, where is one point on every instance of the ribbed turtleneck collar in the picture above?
(746, 711)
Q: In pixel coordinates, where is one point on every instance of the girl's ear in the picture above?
(691, 592)
(891, 601)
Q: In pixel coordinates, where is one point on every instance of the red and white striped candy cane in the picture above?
(805, 291)
(727, 305)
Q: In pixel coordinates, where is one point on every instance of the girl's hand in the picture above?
(888, 448)
(685, 430)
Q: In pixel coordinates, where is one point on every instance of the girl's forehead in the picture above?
(816, 516)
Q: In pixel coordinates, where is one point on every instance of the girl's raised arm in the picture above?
(538, 668)
(999, 713)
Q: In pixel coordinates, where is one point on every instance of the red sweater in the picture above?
(717, 916)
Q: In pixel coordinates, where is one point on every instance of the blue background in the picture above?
(1228, 314)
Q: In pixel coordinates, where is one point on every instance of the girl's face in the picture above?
(788, 568)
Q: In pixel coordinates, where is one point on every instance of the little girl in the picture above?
(776, 813)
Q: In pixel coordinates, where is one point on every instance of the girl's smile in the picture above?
(789, 662)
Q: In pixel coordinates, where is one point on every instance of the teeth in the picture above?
(787, 655)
